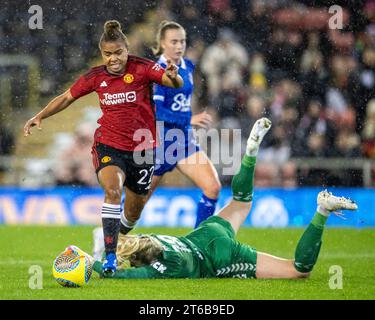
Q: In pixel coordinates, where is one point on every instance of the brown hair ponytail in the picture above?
(113, 32)
(163, 27)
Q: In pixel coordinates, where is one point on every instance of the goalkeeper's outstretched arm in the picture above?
(146, 272)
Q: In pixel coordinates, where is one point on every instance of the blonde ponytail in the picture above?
(138, 249)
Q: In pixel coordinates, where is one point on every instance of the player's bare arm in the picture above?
(56, 105)
(171, 78)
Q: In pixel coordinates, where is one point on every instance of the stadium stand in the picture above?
(274, 58)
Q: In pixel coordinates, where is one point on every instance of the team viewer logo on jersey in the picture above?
(106, 159)
(128, 78)
(118, 98)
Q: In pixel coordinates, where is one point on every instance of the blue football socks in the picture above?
(206, 208)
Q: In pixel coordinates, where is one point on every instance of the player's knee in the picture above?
(212, 190)
(113, 195)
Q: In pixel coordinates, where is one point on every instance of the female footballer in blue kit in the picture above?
(178, 147)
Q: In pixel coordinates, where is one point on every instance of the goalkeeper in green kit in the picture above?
(211, 250)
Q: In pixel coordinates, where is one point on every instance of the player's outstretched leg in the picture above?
(242, 183)
(308, 247)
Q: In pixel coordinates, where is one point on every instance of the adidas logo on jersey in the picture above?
(103, 84)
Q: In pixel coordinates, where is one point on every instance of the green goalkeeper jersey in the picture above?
(209, 251)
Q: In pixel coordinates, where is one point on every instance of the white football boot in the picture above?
(259, 130)
(98, 241)
(331, 203)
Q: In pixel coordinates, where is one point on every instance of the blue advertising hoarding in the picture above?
(177, 207)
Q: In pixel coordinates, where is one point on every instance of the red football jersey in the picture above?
(126, 103)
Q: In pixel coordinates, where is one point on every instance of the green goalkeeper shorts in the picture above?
(225, 257)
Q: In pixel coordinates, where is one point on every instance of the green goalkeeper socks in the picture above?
(319, 220)
(242, 182)
(308, 247)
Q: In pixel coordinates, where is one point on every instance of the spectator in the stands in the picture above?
(255, 109)
(362, 86)
(222, 12)
(278, 147)
(225, 58)
(316, 147)
(347, 144)
(257, 19)
(336, 97)
(7, 144)
(285, 93)
(6, 139)
(313, 76)
(197, 27)
(312, 122)
(368, 133)
(72, 164)
(283, 54)
(258, 74)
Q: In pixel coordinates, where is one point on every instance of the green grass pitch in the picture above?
(351, 249)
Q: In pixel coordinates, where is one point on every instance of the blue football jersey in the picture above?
(173, 106)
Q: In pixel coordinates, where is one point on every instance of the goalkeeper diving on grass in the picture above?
(212, 251)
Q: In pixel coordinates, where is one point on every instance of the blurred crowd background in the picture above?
(254, 58)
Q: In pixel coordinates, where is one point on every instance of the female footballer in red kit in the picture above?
(124, 87)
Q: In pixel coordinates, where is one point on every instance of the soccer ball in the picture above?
(72, 268)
